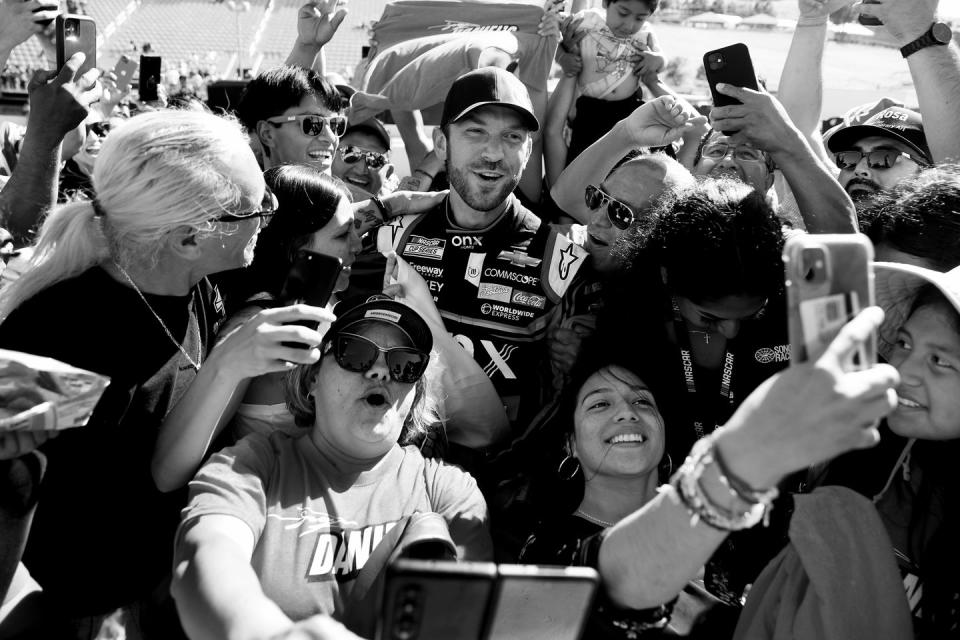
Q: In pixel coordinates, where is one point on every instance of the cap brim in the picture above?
(896, 288)
(405, 317)
(529, 120)
(845, 138)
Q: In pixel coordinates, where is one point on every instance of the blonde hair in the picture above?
(156, 172)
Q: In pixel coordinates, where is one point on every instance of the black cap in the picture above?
(383, 309)
(488, 85)
(897, 123)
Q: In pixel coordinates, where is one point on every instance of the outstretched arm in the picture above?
(317, 22)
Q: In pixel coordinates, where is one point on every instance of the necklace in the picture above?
(706, 335)
(193, 363)
(586, 516)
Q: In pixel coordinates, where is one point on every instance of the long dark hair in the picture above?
(308, 199)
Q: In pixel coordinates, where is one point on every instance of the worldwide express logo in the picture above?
(505, 312)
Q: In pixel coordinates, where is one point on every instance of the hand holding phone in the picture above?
(311, 280)
(124, 71)
(730, 65)
(76, 34)
(869, 21)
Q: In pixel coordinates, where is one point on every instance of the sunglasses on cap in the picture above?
(266, 210)
(876, 159)
(741, 152)
(358, 354)
(99, 128)
(312, 124)
(621, 215)
(352, 154)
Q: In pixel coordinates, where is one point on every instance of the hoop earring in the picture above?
(568, 469)
(666, 471)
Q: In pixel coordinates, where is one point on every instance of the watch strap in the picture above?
(924, 41)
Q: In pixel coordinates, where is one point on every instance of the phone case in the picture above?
(124, 70)
(149, 77)
(76, 33)
(731, 65)
(533, 601)
(429, 599)
(829, 279)
(311, 279)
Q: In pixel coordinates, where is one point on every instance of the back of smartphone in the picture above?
(433, 599)
(829, 280)
(730, 65)
(532, 602)
(76, 34)
(311, 279)
(124, 70)
(149, 77)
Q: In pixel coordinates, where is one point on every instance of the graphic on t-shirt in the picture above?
(340, 554)
(314, 521)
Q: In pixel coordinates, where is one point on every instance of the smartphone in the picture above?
(829, 280)
(869, 21)
(311, 280)
(730, 65)
(532, 601)
(149, 77)
(435, 599)
(124, 70)
(76, 33)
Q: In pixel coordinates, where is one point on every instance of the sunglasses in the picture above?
(877, 159)
(358, 354)
(266, 210)
(741, 152)
(98, 128)
(352, 154)
(621, 215)
(312, 124)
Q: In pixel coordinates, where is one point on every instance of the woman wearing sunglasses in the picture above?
(278, 528)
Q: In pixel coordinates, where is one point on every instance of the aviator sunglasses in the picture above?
(312, 124)
(358, 354)
(621, 216)
(876, 159)
(352, 154)
(266, 210)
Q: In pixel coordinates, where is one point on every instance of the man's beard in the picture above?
(861, 195)
(480, 201)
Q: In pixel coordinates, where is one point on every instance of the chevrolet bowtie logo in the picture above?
(519, 258)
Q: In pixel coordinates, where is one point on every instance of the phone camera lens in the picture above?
(70, 29)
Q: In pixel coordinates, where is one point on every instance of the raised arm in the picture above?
(20, 20)
(317, 22)
(807, 414)
(762, 122)
(654, 124)
(935, 71)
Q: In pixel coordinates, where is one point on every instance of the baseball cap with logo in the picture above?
(488, 86)
(897, 286)
(382, 309)
(897, 123)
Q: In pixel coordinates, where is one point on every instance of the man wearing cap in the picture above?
(362, 160)
(876, 155)
(495, 272)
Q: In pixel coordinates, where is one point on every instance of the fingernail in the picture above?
(721, 85)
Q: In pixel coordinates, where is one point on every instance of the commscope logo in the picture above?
(506, 274)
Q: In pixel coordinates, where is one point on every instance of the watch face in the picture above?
(941, 32)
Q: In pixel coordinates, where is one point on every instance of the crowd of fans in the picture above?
(563, 336)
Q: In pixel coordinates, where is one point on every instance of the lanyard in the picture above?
(689, 375)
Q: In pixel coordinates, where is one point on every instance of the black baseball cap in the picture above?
(897, 123)
(486, 86)
(383, 309)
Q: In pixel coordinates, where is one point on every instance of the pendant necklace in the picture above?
(706, 335)
(193, 363)
(586, 516)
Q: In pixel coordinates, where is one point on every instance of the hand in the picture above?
(906, 20)
(811, 10)
(400, 203)
(317, 22)
(811, 412)
(317, 627)
(760, 121)
(564, 347)
(661, 121)
(18, 21)
(256, 347)
(550, 22)
(419, 181)
(111, 96)
(650, 63)
(59, 101)
(570, 63)
(571, 34)
(19, 443)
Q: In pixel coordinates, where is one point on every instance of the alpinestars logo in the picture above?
(567, 259)
(464, 27)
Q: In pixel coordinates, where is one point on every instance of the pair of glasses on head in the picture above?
(621, 215)
(876, 159)
(312, 125)
(266, 210)
(352, 154)
(358, 354)
(740, 152)
(99, 128)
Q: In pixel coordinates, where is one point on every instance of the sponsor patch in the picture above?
(382, 314)
(425, 247)
(428, 271)
(505, 312)
(474, 266)
(467, 242)
(519, 258)
(529, 300)
(778, 353)
(498, 292)
(513, 276)
(453, 26)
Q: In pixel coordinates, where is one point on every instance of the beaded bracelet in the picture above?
(687, 484)
(739, 486)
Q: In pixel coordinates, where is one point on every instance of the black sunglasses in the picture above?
(266, 210)
(621, 215)
(877, 159)
(358, 354)
(312, 124)
(99, 128)
(352, 154)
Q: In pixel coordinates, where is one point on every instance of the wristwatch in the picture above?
(938, 34)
